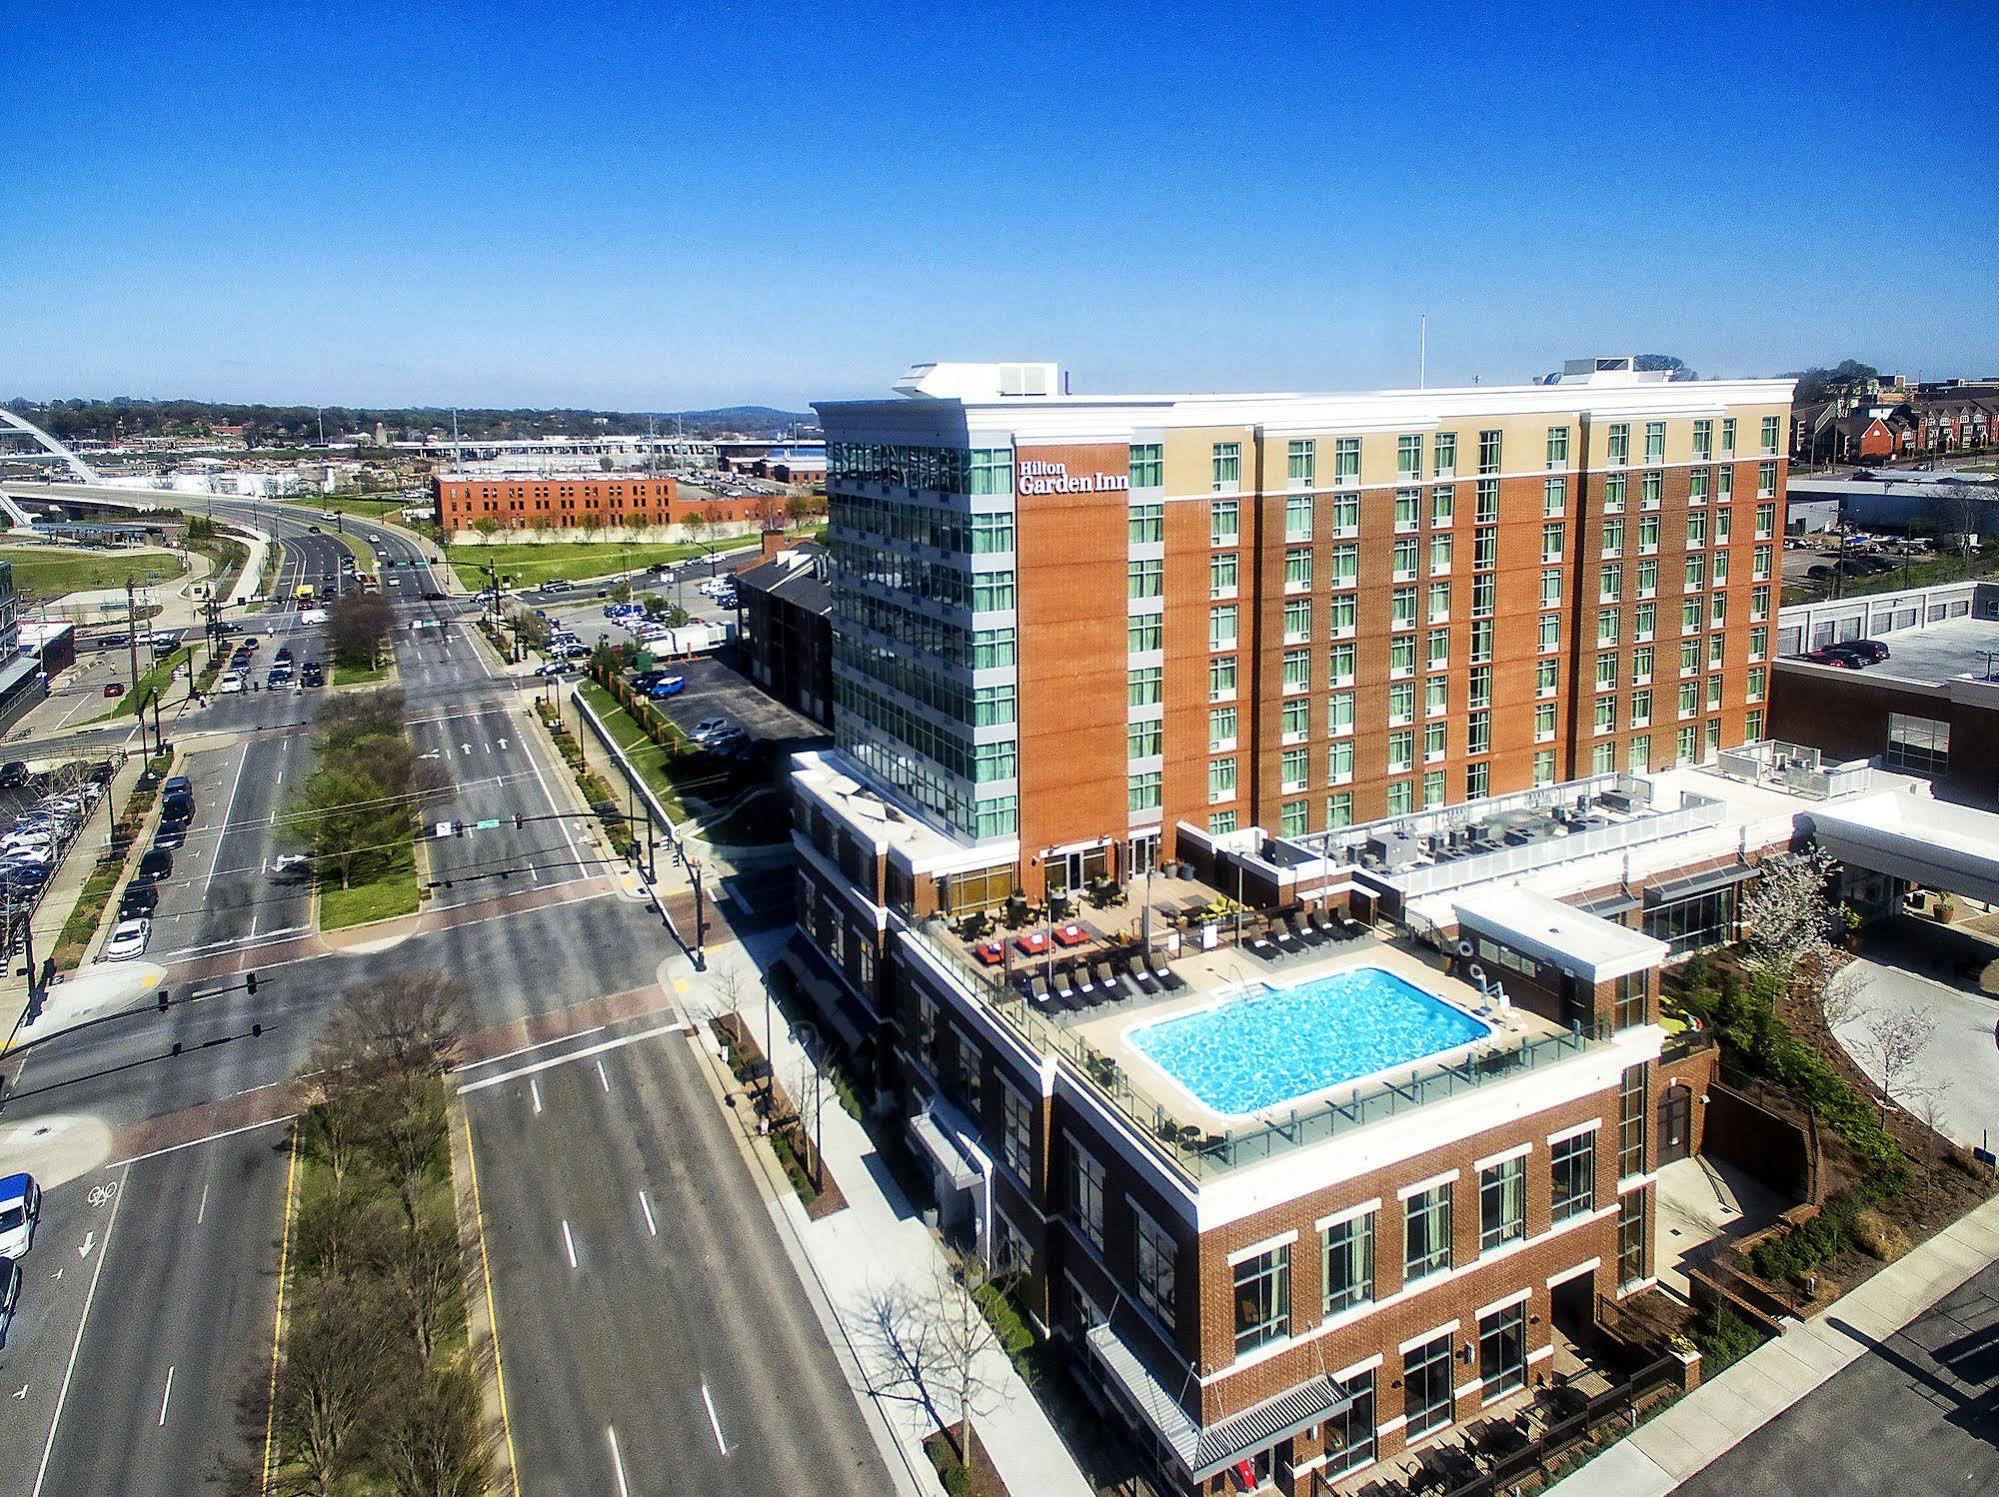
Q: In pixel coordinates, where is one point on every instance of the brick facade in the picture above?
(572, 501)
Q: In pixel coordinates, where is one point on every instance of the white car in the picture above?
(20, 1209)
(230, 681)
(128, 940)
(312, 616)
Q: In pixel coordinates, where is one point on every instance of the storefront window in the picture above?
(1694, 923)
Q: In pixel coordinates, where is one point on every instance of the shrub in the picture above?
(1724, 1338)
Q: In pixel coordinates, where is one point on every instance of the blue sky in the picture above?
(655, 207)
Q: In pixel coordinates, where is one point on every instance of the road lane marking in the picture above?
(562, 1039)
(41, 1473)
(646, 1207)
(492, 1313)
(562, 1060)
(278, 1320)
(207, 1138)
(201, 1211)
(568, 1242)
(164, 1397)
(714, 1423)
(534, 1090)
(602, 1077)
(228, 820)
(617, 1462)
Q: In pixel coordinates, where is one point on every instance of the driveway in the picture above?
(1960, 1063)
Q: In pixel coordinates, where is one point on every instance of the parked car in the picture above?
(128, 940)
(13, 775)
(171, 834)
(228, 682)
(1830, 656)
(1863, 651)
(138, 901)
(707, 728)
(284, 655)
(10, 1294)
(20, 1210)
(157, 864)
(114, 688)
(669, 686)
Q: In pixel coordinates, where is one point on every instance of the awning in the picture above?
(1207, 1450)
(1610, 906)
(942, 1147)
(1698, 883)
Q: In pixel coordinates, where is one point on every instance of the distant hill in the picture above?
(746, 418)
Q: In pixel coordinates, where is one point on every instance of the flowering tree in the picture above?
(1791, 920)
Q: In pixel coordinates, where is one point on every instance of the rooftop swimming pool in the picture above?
(1279, 1044)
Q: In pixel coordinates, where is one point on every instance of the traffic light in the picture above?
(250, 982)
(165, 999)
(517, 821)
(457, 828)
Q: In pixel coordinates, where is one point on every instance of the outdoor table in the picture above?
(989, 952)
(1035, 943)
(1071, 934)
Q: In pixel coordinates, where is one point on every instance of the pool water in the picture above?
(1279, 1044)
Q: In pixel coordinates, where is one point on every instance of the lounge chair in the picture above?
(1281, 932)
(1142, 974)
(1323, 924)
(1065, 990)
(1264, 942)
(1303, 928)
(1083, 982)
(1170, 980)
(1037, 989)
(1127, 980)
(1107, 982)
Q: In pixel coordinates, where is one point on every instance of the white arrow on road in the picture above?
(23, 1391)
(503, 743)
(465, 748)
(89, 1242)
(434, 753)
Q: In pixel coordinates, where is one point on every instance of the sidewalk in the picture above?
(1720, 1414)
(880, 1243)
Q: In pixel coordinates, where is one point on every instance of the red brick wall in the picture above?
(565, 502)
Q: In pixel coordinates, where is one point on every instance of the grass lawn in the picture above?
(389, 507)
(53, 571)
(150, 681)
(359, 675)
(666, 776)
(382, 894)
(562, 561)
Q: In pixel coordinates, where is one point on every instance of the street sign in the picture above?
(485, 826)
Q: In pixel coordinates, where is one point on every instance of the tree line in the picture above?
(360, 800)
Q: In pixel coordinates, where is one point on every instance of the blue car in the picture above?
(671, 686)
(20, 1209)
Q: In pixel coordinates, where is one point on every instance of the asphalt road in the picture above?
(640, 1289)
(1917, 1416)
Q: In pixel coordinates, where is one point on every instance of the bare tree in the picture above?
(1791, 920)
(328, 1385)
(408, 1135)
(332, 1129)
(806, 1083)
(399, 1021)
(1893, 1038)
(1930, 1103)
(420, 1274)
(933, 1345)
(431, 1443)
(338, 1233)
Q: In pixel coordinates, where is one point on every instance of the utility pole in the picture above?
(132, 655)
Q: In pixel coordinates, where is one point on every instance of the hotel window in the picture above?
(1405, 558)
(1572, 1166)
(1648, 578)
(1544, 722)
(1086, 1194)
(1339, 764)
(1293, 819)
(1402, 609)
(1346, 459)
(1606, 714)
(1648, 534)
(1697, 485)
(1703, 440)
(1631, 1235)
(1650, 488)
(1440, 555)
(1346, 514)
(1717, 644)
(1222, 627)
(1759, 603)
(992, 649)
(994, 706)
(1016, 1133)
(1304, 459)
(1613, 494)
(1148, 525)
(1554, 496)
(1603, 758)
(1502, 1204)
(1919, 745)
(992, 470)
(1221, 680)
(1401, 751)
(1148, 466)
(1407, 509)
(1488, 452)
(1759, 642)
(1227, 467)
(1689, 698)
(1298, 517)
(1223, 574)
(1297, 721)
(1143, 579)
(1696, 529)
(1144, 686)
(1297, 670)
(1550, 631)
(1544, 767)
(1606, 672)
(1551, 587)
(1478, 733)
(1297, 620)
(1638, 756)
(1481, 641)
(1655, 441)
(1752, 726)
(1409, 456)
(1221, 779)
(1728, 436)
(1714, 693)
(1770, 429)
(1221, 823)
(1433, 789)
(1428, 1402)
(1224, 522)
(1502, 1352)
(1142, 739)
(1558, 447)
(1437, 650)
(993, 534)
(1426, 1233)
(1766, 521)
(1479, 686)
(1641, 706)
(1347, 1251)
(1619, 448)
(1485, 548)
(1262, 1299)
(1485, 502)
(1339, 709)
(1551, 542)
(1442, 502)
(1155, 1256)
(1298, 567)
(1401, 798)
(1724, 484)
(1606, 626)
(1690, 656)
(992, 592)
(1221, 728)
(1294, 769)
(994, 762)
(1545, 675)
(1144, 632)
(1631, 1089)
(1341, 610)
(1610, 583)
(1346, 565)
(1696, 573)
(1613, 537)
(1339, 810)
(1433, 742)
(1766, 480)
(1143, 791)
(1440, 602)
(1690, 616)
(1444, 452)
(1436, 696)
(1402, 656)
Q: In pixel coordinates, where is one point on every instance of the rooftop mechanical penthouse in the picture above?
(1065, 623)
(1139, 702)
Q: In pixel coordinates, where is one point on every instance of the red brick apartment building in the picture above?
(1081, 641)
(571, 500)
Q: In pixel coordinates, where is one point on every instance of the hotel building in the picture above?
(1383, 654)
(575, 501)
